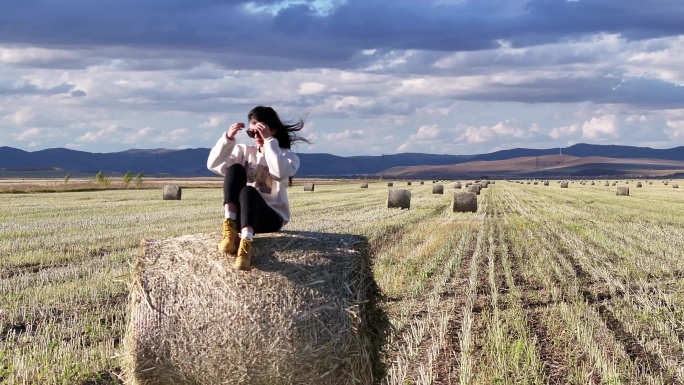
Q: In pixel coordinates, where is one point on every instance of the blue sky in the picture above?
(369, 76)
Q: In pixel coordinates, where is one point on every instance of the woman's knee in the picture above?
(247, 193)
(235, 169)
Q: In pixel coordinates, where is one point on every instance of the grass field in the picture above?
(542, 285)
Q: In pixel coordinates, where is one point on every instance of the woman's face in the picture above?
(258, 140)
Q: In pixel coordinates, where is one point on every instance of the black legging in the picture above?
(252, 208)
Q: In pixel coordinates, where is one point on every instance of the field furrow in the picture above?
(541, 285)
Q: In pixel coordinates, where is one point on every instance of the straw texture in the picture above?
(305, 314)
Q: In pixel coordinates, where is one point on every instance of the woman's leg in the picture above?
(234, 181)
(256, 217)
(256, 213)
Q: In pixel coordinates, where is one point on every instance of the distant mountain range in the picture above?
(577, 160)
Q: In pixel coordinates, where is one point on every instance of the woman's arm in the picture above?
(282, 163)
(221, 155)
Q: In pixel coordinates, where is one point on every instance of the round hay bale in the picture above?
(623, 191)
(674, 185)
(399, 198)
(408, 183)
(438, 189)
(592, 183)
(638, 184)
(171, 193)
(309, 187)
(364, 185)
(546, 183)
(305, 314)
(457, 185)
(475, 188)
(464, 202)
(421, 182)
(665, 182)
(390, 184)
(564, 185)
(535, 183)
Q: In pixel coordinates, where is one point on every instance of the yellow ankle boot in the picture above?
(244, 255)
(229, 242)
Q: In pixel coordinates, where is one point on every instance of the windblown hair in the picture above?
(286, 132)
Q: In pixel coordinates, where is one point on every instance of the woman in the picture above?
(256, 178)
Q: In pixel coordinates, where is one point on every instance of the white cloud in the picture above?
(675, 130)
(137, 136)
(175, 136)
(110, 134)
(308, 88)
(30, 134)
(601, 127)
(564, 131)
(214, 121)
(344, 135)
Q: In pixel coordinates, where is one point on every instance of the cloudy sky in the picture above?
(370, 77)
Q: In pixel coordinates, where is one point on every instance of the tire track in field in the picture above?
(554, 364)
(645, 362)
(420, 362)
(448, 360)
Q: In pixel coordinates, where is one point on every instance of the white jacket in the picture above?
(268, 171)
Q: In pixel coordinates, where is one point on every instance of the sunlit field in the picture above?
(543, 285)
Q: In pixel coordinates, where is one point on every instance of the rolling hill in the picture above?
(578, 160)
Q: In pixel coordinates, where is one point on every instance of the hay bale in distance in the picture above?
(464, 202)
(457, 185)
(408, 183)
(309, 187)
(195, 320)
(390, 184)
(398, 198)
(422, 182)
(438, 189)
(364, 185)
(638, 184)
(171, 193)
(475, 188)
(674, 185)
(623, 191)
(546, 183)
(564, 185)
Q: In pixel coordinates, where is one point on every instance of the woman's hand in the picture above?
(263, 130)
(233, 130)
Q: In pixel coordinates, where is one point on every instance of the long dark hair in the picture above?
(286, 133)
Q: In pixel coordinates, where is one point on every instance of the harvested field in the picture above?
(539, 286)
